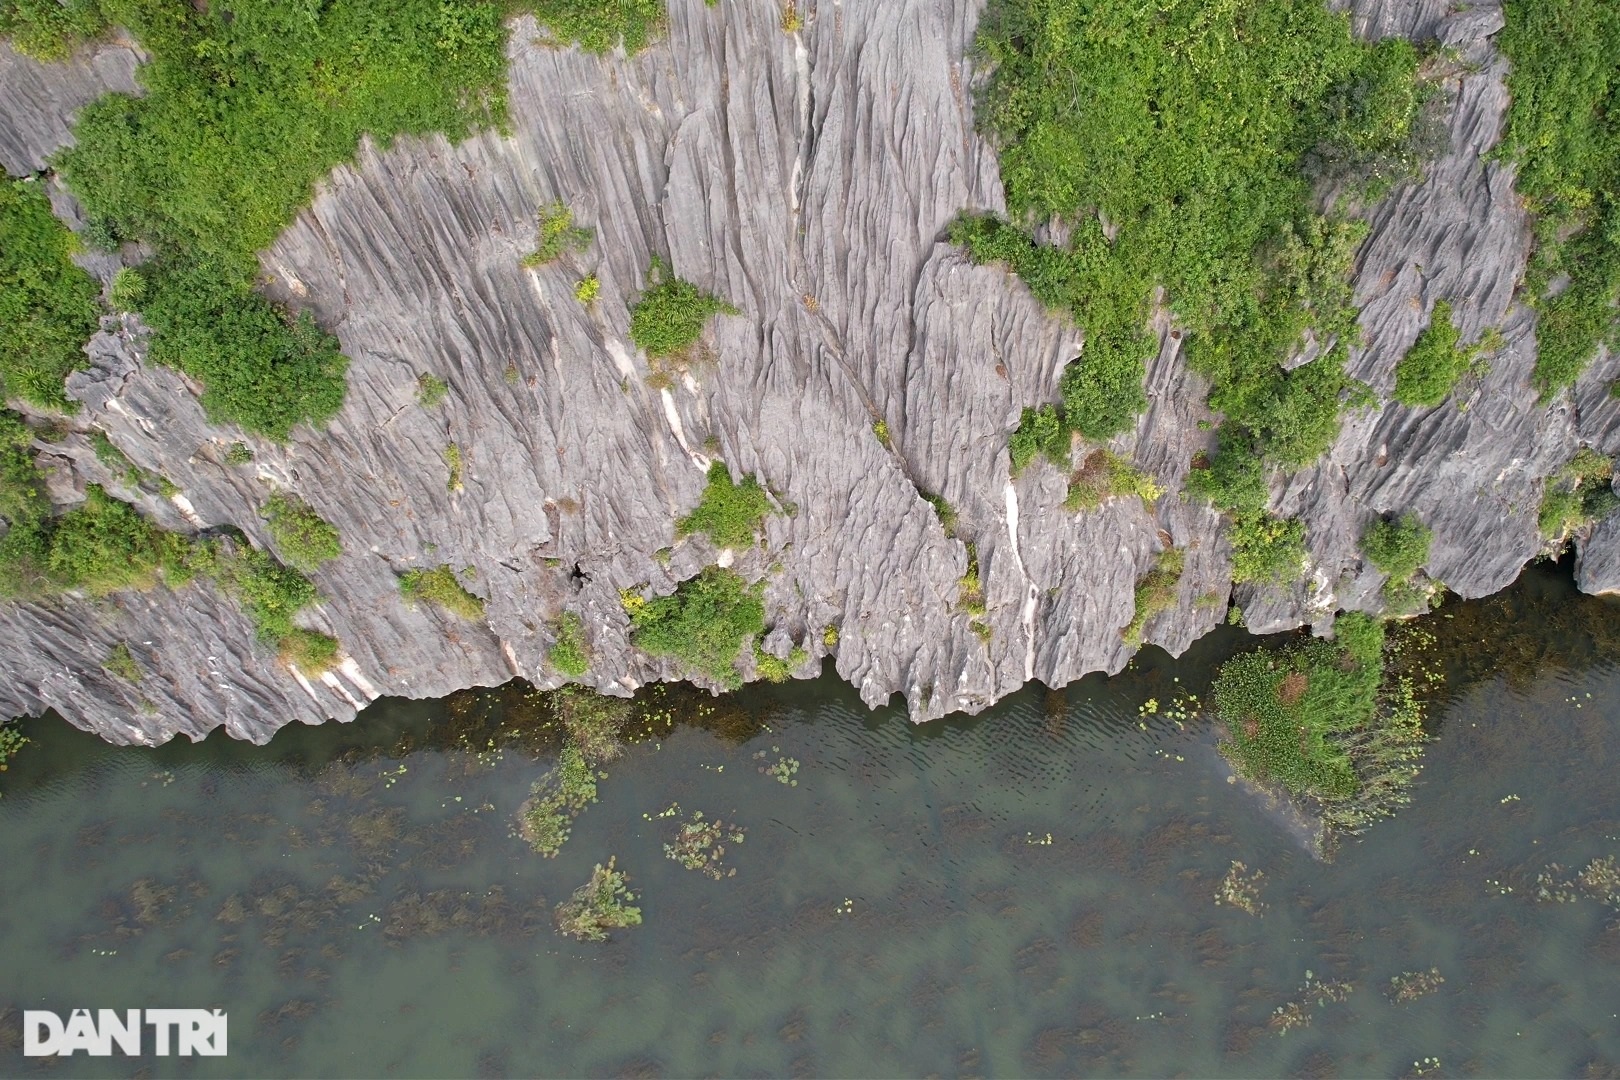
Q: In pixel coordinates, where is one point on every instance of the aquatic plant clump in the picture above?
(1241, 889)
(601, 904)
(594, 723)
(556, 799)
(1411, 985)
(700, 844)
(1319, 720)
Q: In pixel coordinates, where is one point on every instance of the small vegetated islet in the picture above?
(700, 844)
(439, 585)
(304, 538)
(1320, 720)
(704, 623)
(729, 514)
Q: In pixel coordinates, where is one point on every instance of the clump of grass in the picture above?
(773, 669)
(311, 651)
(730, 514)
(587, 289)
(48, 306)
(942, 510)
(880, 428)
(11, 741)
(441, 587)
(121, 662)
(1320, 720)
(600, 905)
(304, 539)
(1564, 98)
(601, 27)
(669, 317)
(1580, 494)
(430, 390)
(1266, 548)
(1104, 475)
(556, 236)
(704, 624)
(128, 290)
(1156, 592)
(239, 454)
(452, 460)
(570, 652)
(829, 635)
(792, 21)
(556, 799)
(970, 591)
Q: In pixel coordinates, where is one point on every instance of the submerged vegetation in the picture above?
(556, 800)
(1186, 162)
(600, 905)
(1321, 720)
(1563, 130)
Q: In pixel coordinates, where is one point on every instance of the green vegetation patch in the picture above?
(1399, 548)
(430, 390)
(121, 662)
(1563, 129)
(594, 722)
(704, 623)
(311, 651)
(1320, 720)
(440, 586)
(1434, 364)
(1040, 432)
(50, 29)
(600, 26)
(1266, 548)
(556, 800)
(304, 538)
(570, 652)
(601, 904)
(1104, 475)
(1156, 592)
(669, 317)
(774, 669)
(730, 514)
(1174, 141)
(556, 236)
(48, 306)
(1580, 494)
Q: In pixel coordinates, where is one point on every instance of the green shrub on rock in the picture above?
(730, 514)
(704, 623)
(669, 317)
(440, 586)
(1399, 548)
(304, 538)
(48, 306)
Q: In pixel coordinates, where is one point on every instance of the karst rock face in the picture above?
(808, 179)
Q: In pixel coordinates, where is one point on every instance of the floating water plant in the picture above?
(599, 905)
(557, 798)
(1411, 985)
(1241, 889)
(783, 771)
(700, 844)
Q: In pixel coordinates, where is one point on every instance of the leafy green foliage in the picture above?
(1156, 592)
(731, 514)
(943, 510)
(310, 651)
(48, 306)
(104, 545)
(1399, 548)
(128, 289)
(270, 594)
(599, 26)
(1563, 129)
(50, 29)
(1266, 548)
(571, 653)
(1580, 494)
(1184, 128)
(1434, 363)
(440, 586)
(600, 905)
(1040, 431)
(304, 538)
(121, 662)
(668, 318)
(11, 741)
(556, 236)
(259, 368)
(1235, 479)
(430, 390)
(556, 800)
(1104, 475)
(704, 624)
(239, 453)
(773, 669)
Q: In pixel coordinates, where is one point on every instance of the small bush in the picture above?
(270, 594)
(829, 636)
(570, 652)
(440, 586)
(121, 662)
(880, 428)
(1039, 432)
(311, 651)
(50, 30)
(1105, 475)
(1398, 548)
(600, 905)
(1580, 494)
(104, 545)
(1266, 548)
(452, 461)
(303, 538)
(1434, 363)
(48, 306)
(239, 454)
(600, 27)
(774, 669)
(430, 390)
(669, 317)
(970, 590)
(556, 236)
(704, 624)
(730, 514)
(1156, 592)
(587, 289)
(1235, 480)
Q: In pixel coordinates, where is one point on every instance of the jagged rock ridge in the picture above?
(808, 179)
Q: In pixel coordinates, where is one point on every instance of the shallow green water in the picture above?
(355, 899)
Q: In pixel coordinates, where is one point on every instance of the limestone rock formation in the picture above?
(807, 178)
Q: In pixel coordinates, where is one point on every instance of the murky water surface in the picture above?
(1031, 892)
